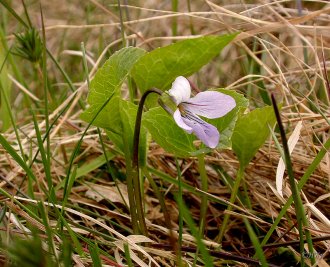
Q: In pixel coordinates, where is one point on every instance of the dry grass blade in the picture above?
(279, 50)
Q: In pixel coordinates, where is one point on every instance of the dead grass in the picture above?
(279, 36)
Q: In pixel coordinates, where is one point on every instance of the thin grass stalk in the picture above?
(109, 167)
(46, 152)
(74, 236)
(254, 68)
(312, 167)
(5, 97)
(74, 153)
(48, 131)
(180, 206)
(186, 186)
(239, 177)
(65, 75)
(300, 14)
(26, 14)
(175, 4)
(5, 88)
(167, 217)
(191, 24)
(12, 11)
(259, 252)
(14, 201)
(121, 24)
(325, 74)
(300, 212)
(45, 161)
(131, 89)
(85, 64)
(17, 74)
(95, 255)
(11, 151)
(128, 256)
(208, 262)
(67, 250)
(48, 230)
(204, 187)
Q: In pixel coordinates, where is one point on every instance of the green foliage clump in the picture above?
(29, 45)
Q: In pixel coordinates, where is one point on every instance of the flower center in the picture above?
(182, 110)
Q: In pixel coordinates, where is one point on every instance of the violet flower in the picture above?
(209, 104)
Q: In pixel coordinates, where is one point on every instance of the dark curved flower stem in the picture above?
(133, 182)
(298, 205)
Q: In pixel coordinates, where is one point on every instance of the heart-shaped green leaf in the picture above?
(161, 66)
(167, 134)
(118, 117)
(251, 132)
(108, 80)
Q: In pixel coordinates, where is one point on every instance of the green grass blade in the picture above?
(299, 208)
(75, 152)
(175, 5)
(180, 205)
(239, 178)
(68, 187)
(128, 256)
(94, 164)
(204, 187)
(45, 159)
(208, 262)
(95, 255)
(312, 167)
(11, 151)
(5, 87)
(49, 232)
(12, 11)
(66, 256)
(259, 252)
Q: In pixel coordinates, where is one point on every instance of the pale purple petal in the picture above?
(210, 104)
(180, 90)
(178, 119)
(206, 132)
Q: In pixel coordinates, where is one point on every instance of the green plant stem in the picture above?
(299, 208)
(160, 198)
(256, 244)
(302, 182)
(46, 157)
(180, 205)
(208, 261)
(85, 64)
(121, 25)
(75, 152)
(133, 177)
(204, 187)
(175, 4)
(239, 177)
(4, 95)
(27, 26)
(191, 24)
